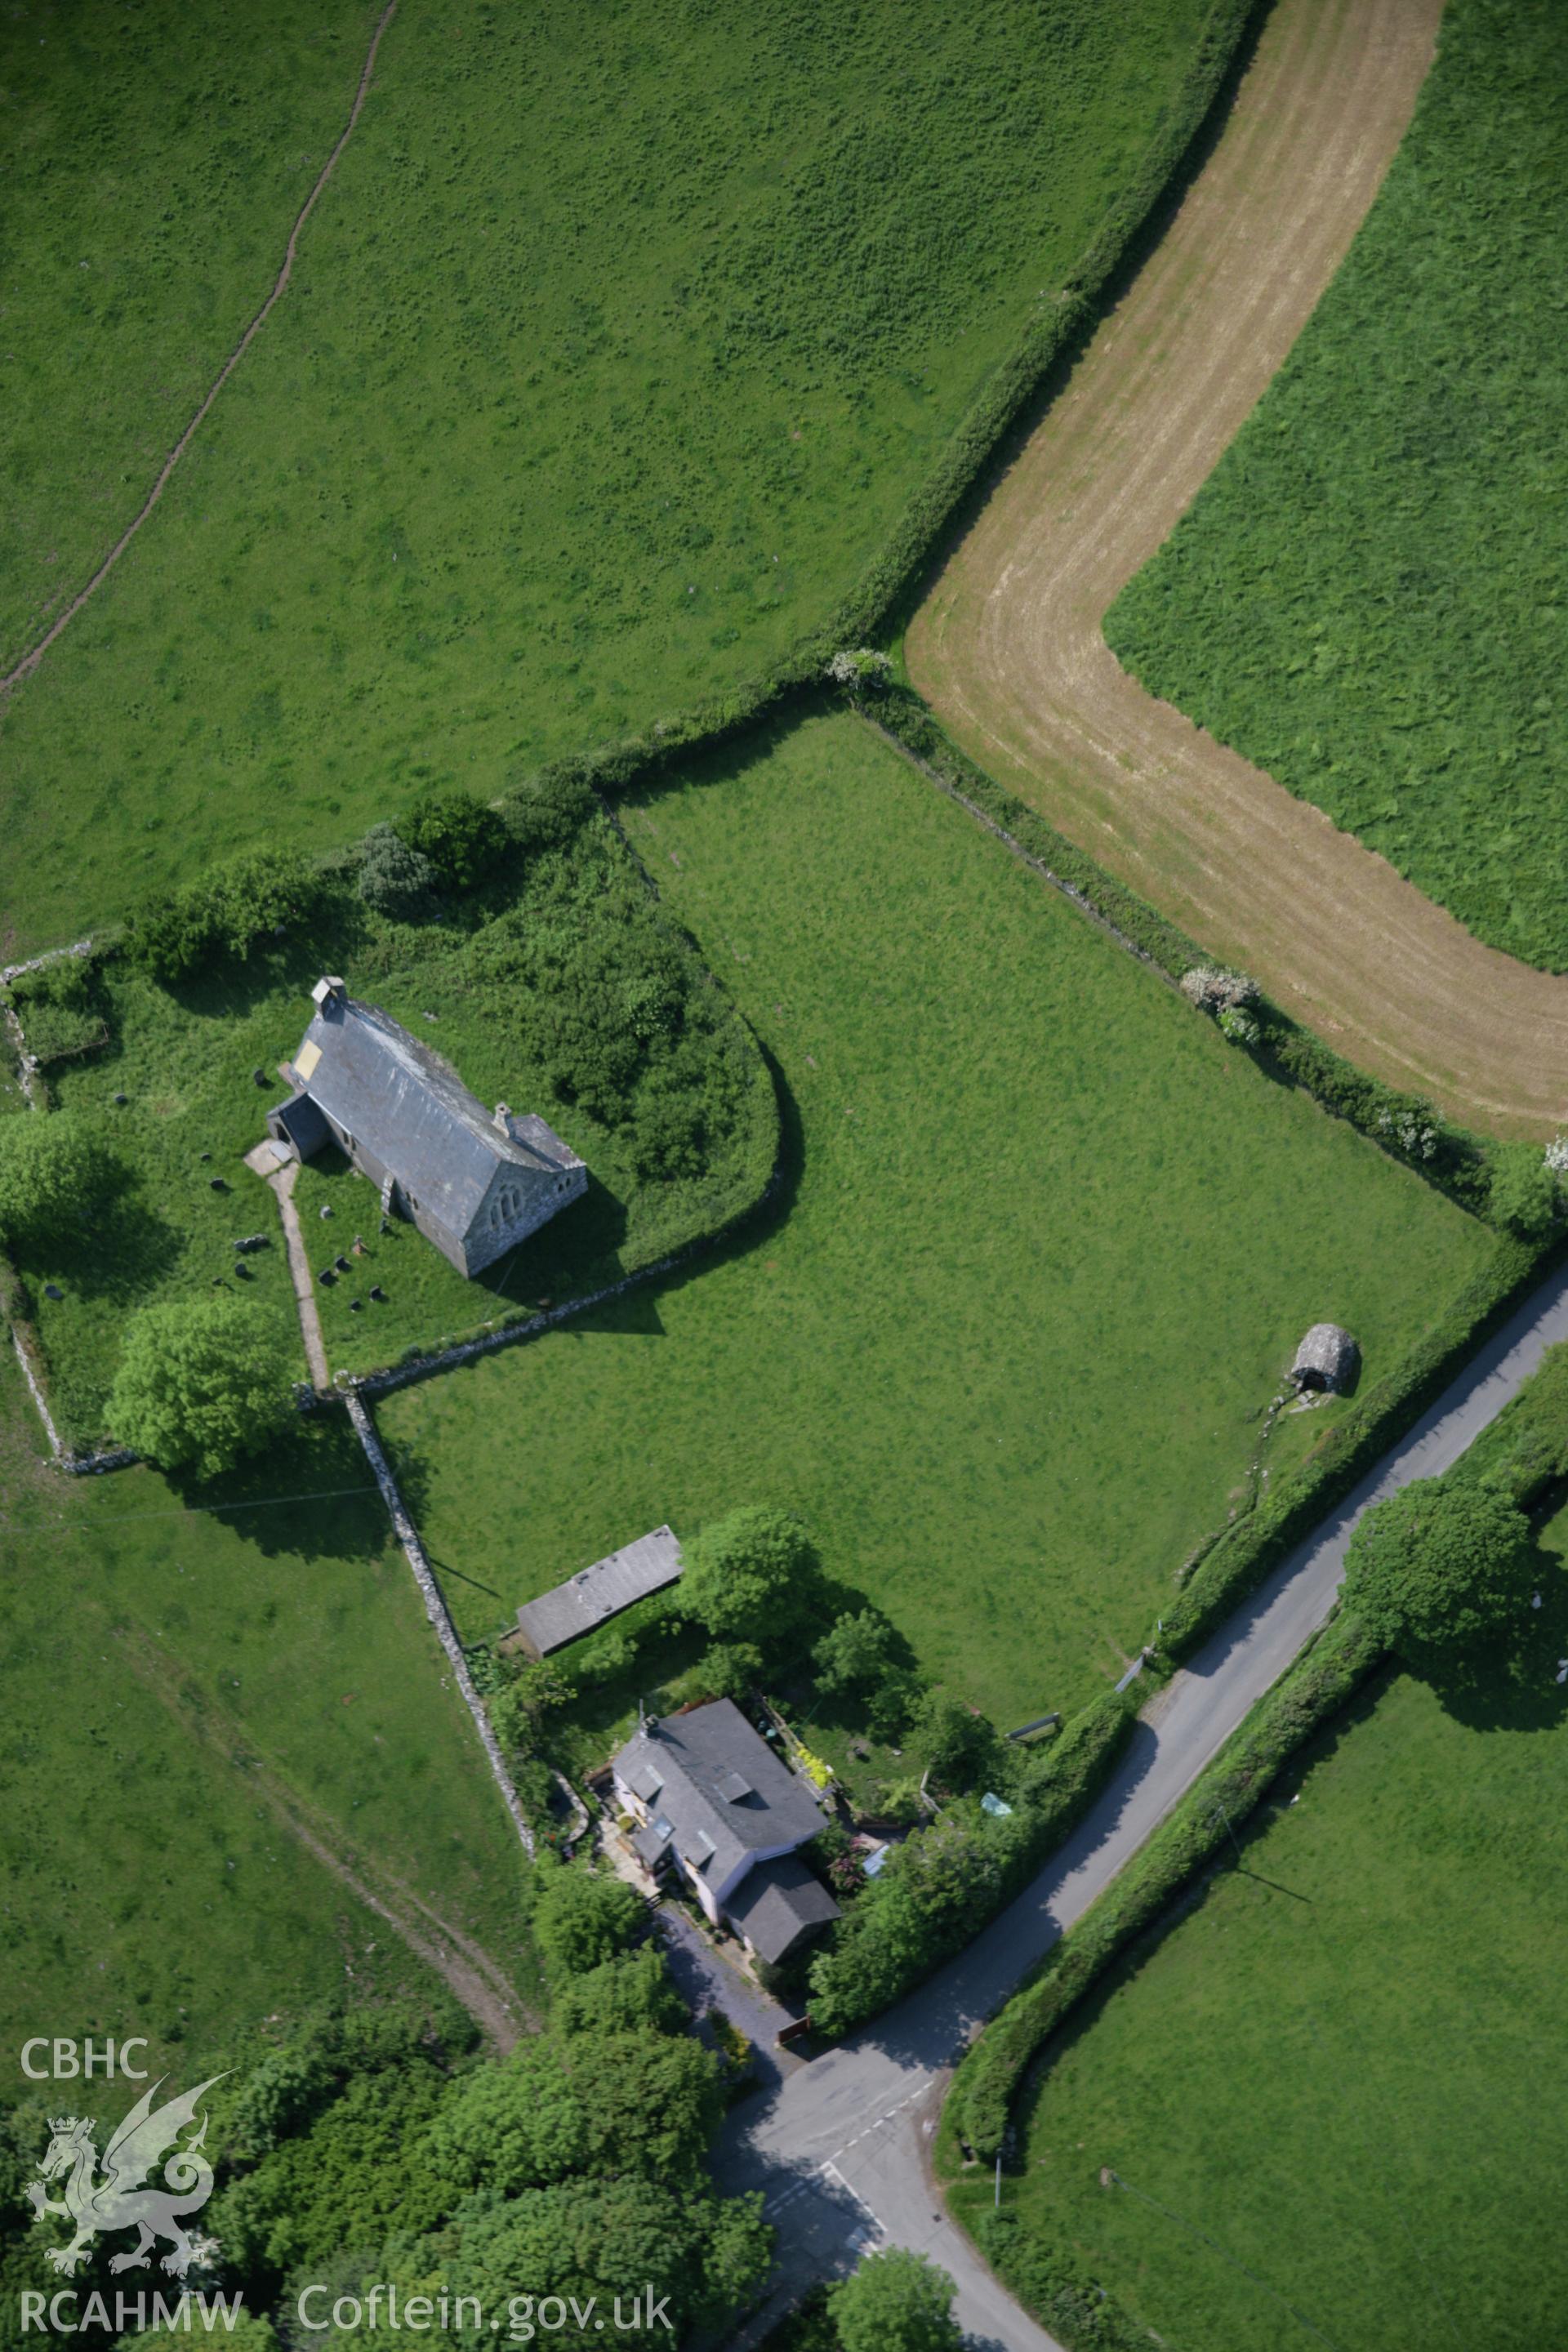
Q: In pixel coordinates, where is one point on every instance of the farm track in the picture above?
(473, 1979)
(30, 660)
(1008, 645)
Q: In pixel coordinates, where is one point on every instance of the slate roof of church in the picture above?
(407, 1107)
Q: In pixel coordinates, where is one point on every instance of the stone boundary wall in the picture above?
(468, 1351)
(436, 1610)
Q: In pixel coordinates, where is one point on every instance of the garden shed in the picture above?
(1328, 1357)
(594, 1595)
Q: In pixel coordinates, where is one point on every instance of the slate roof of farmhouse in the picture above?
(410, 1110)
(721, 1788)
(776, 1903)
(602, 1591)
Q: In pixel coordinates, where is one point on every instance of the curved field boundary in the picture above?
(1008, 647)
(29, 661)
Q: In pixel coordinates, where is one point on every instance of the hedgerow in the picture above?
(1404, 1125)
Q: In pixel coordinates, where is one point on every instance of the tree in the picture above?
(730, 1669)
(895, 2302)
(1437, 1566)
(519, 1712)
(749, 1577)
(393, 878)
(633, 1989)
(53, 1171)
(583, 1916)
(201, 1384)
(856, 1651)
(225, 911)
(958, 1744)
(596, 2102)
(457, 835)
(1522, 1193)
(694, 2257)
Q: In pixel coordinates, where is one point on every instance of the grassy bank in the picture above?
(1008, 1340)
(616, 351)
(1365, 597)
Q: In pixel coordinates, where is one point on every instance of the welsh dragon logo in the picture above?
(117, 2199)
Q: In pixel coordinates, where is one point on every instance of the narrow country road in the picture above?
(1009, 650)
(838, 2149)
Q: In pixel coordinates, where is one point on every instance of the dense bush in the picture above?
(962, 1748)
(202, 1384)
(224, 913)
(456, 836)
(697, 2255)
(855, 1653)
(604, 997)
(600, 2101)
(59, 1007)
(55, 1172)
(1524, 1194)
(546, 810)
(632, 1991)
(575, 2165)
(521, 1709)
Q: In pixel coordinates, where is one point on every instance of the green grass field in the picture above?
(615, 345)
(1006, 1341)
(155, 161)
(1367, 597)
(1337, 2092)
(167, 1671)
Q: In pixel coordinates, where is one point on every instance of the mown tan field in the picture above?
(1009, 650)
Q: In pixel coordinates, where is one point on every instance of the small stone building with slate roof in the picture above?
(594, 1595)
(475, 1182)
(713, 1800)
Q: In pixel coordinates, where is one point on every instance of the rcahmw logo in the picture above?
(116, 2192)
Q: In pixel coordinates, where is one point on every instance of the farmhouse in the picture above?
(714, 1801)
(596, 1594)
(1328, 1357)
(475, 1182)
